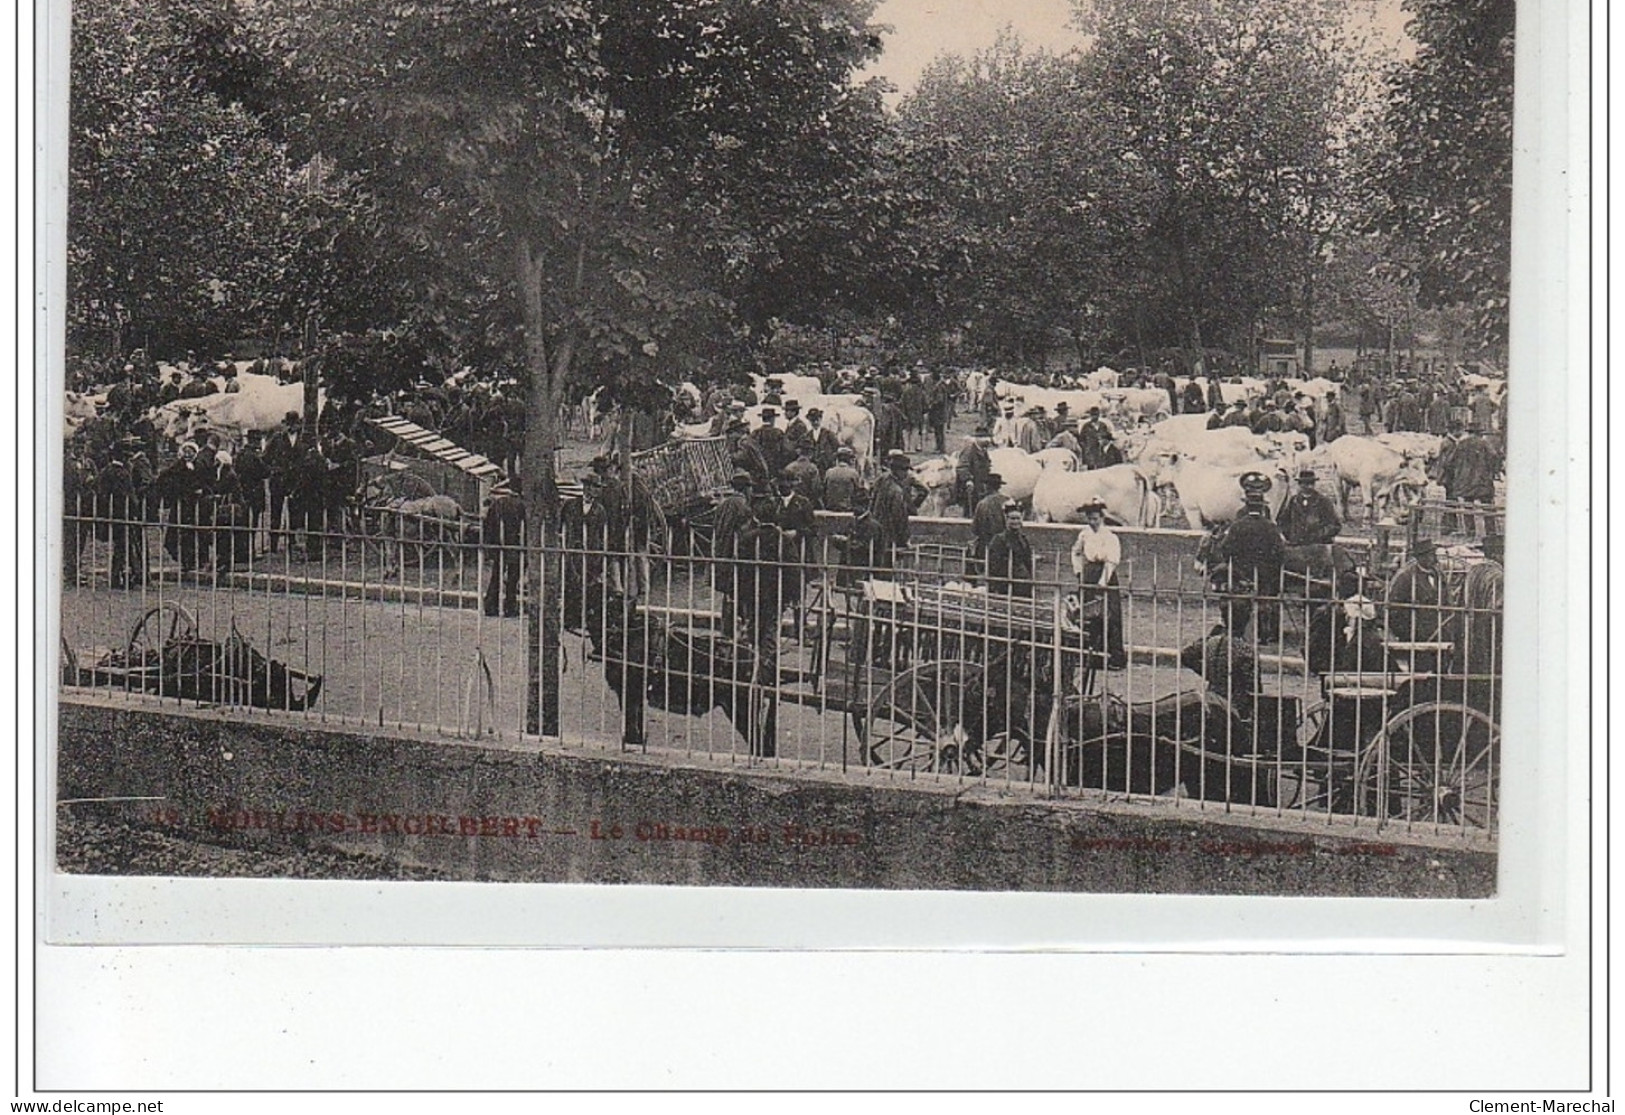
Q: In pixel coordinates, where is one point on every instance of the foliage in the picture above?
(1233, 110)
(1444, 176)
(182, 218)
(1023, 211)
(649, 181)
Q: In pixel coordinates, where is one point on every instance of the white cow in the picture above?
(1017, 469)
(261, 403)
(1211, 494)
(936, 475)
(1140, 404)
(1126, 491)
(1413, 443)
(1101, 377)
(1382, 474)
(785, 385)
(1057, 459)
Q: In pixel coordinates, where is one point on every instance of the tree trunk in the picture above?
(1309, 324)
(544, 571)
(310, 373)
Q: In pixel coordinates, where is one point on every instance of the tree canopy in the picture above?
(1444, 175)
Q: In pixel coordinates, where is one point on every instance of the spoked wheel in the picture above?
(920, 720)
(159, 626)
(1321, 778)
(1433, 763)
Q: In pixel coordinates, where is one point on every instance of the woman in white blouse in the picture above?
(1095, 557)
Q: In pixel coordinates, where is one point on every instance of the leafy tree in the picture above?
(631, 175)
(1023, 210)
(184, 215)
(1230, 110)
(1444, 180)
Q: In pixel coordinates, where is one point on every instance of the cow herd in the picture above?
(1170, 461)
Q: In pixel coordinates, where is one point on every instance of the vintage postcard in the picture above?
(1064, 447)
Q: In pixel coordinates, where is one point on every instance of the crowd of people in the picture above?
(220, 500)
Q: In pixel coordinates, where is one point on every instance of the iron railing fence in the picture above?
(1360, 704)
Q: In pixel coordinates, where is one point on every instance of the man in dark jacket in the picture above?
(502, 533)
(1308, 517)
(119, 500)
(889, 508)
(825, 445)
(183, 489)
(731, 539)
(1254, 551)
(842, 484)
(987, 519)
(1010, 557)
(971, 474)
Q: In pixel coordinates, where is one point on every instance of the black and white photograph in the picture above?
(812, 444)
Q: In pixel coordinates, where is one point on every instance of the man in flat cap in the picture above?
(987, 518)
(842, 483)
(1253, 551)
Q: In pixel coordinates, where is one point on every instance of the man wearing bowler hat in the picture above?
(1308, 517)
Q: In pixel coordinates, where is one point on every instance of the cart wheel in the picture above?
(161, 625)
(1320, 779)
(917, 722)
(1434, 763)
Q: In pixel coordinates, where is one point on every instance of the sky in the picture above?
(925, 28)
(922, 29)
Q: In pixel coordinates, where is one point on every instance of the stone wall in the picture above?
(485, 813)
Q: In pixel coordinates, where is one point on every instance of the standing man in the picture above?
(825, 445)
(842, 485)
(1419, 602)
(773, 444)
(987, 519)
(973, 469)
(1010, 557)
(1332, 425)
(1484, 597)
(1191, 398)
(127, 530)
(1254, 552)
(804, 475)
(939, 410)
(1095, 557)
(1093, 437)
(1308, 517)
(1468, 472)
(796, 430)
(731, 537)
(889, 508)
(503, 531)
